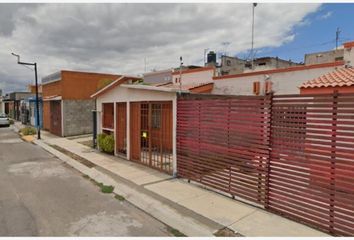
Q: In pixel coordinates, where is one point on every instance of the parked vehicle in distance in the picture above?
(4, 120)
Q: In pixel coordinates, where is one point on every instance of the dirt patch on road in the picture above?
(104, 224)
(38, 169)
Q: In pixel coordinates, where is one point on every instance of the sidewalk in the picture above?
(187, 207)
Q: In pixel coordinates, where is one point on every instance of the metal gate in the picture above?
(291, 154)
(55, 118)
(151, 134)
(223, 142)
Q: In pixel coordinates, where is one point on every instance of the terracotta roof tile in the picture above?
(339, 78)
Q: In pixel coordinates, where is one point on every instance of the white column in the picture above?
(62, 117)
(128, 130)
(115, 127)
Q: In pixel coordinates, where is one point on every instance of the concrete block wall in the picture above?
(77, 117)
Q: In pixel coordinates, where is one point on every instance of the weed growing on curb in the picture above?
(119, 197)
(175, 232)
(106, 188)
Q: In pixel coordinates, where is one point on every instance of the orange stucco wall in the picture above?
(76, 85)
(323, 90)
(79, 85)
(51, 89)
(72, 86)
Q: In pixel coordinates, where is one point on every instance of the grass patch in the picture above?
(175, 232)
(28, 131)
(119, 197)
(106, 188)
(86, 176)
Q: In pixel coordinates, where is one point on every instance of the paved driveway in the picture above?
(41, 196)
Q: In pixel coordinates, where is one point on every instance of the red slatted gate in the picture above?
(311, 174)
(223, 143)
(293, 154)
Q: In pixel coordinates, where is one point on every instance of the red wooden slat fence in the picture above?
(292, 154)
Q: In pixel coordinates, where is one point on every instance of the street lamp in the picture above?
(37, 98)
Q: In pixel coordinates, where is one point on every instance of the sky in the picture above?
(121, 37)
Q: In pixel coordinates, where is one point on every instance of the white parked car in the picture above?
(4, 120)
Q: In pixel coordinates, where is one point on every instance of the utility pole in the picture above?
(37, 97)
(252, 45)
(337, 37)
(180, 73)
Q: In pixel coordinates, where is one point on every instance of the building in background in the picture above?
(29, 111)
(234, 65)
(199, 80)
(282, 80)
(324, 57)
(28, 107)
(162, 76)
(13, 104)
(67, 106)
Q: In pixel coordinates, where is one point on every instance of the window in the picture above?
(262, 64)
(256, 87)
(338, 59)
(108, 115)
(268, 86)
(156, 116)
(228, 62)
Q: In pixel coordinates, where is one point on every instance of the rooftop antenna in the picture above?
(337, 37)
(252, 56)
(225, 44)
(145, 64)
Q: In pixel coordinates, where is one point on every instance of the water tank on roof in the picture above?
(211, 57)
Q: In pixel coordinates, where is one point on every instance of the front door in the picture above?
(55, 118)
(152, 134)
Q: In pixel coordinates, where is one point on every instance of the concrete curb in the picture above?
(161, 211)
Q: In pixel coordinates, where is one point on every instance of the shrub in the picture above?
(106, 142)
(28, 131)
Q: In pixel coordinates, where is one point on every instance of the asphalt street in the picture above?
(42, 196)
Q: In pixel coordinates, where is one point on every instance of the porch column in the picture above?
(128, 130)
(174, 135)
(115, 126)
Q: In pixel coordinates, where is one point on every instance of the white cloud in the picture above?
(116, 37)
(325, 15)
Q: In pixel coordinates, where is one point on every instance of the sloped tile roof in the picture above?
(341, 77)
